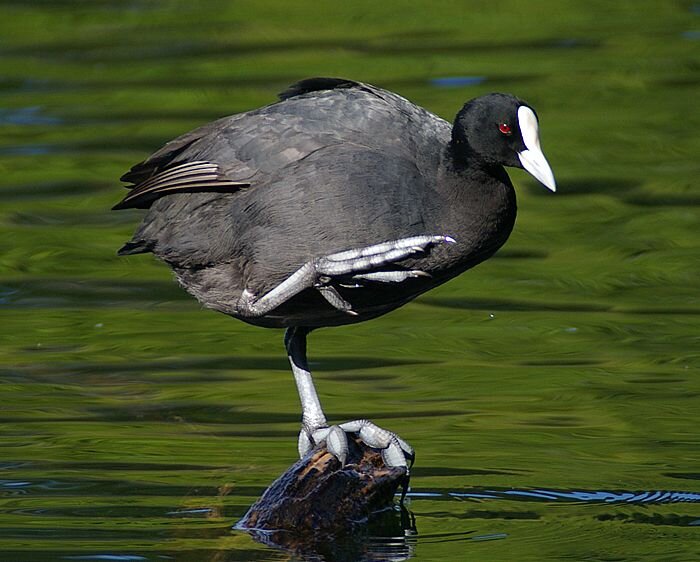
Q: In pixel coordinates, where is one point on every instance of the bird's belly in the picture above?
(310, 309)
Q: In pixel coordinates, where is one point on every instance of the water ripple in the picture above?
(586, 496)
(27, 116)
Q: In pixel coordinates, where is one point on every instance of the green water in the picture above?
(552, 393)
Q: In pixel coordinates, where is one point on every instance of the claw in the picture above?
(394, 450)
(393, 455)
(305, 444)
(334, 438)
(337, 444)
(333, 297)
(406, 448)
(391, 276)
(384, 247)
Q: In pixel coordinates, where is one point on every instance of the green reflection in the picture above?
(136, 424)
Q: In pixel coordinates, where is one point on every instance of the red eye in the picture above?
(505, 128)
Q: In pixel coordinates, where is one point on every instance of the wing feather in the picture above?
(188, 177)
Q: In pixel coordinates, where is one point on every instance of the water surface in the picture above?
(552, 394)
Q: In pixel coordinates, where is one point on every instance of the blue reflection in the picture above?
(26, 116)
(115, 557)
(595, 496)
(25, 150)
(456, 81)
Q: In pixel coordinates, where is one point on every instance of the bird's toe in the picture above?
(395, 451)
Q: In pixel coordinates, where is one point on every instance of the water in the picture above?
(551, 393)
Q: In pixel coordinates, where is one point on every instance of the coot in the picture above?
(337, 204)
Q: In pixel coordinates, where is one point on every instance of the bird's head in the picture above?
(502, 129)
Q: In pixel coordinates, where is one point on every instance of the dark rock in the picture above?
(316, 495)
(317, 504)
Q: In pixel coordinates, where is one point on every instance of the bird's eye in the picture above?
(505, 129)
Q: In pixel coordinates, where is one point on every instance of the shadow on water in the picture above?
(99, 50)
(185, 366)
(626, 189)
(514, 305)
(569, 187)
(274, 83)
(111, 145)
(43, 190)
(66, 292)
(663, 200)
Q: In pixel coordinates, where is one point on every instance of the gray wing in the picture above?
(221, 155)
(234, 152)
(266, 148)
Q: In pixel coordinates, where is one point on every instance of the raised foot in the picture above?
(358, 260)
(349, 268)
(394, 450)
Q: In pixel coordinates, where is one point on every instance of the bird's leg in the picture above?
(315, 429)
(356, 263)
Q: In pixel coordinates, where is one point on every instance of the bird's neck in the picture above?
(472, 179)
(479, 203)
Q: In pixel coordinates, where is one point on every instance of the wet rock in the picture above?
(316, 502)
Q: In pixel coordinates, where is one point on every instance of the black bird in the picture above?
(337, 204)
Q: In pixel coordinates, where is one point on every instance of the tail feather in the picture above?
(136, 247)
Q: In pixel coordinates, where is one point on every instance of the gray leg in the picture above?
(312, 413)
(320, 272)
(315, 429)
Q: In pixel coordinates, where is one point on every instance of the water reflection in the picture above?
(126, 410)
(393, 534)
(586, 496)
(389, 535)
(31, 115)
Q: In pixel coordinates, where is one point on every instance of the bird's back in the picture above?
(336, 140)
(334, 165)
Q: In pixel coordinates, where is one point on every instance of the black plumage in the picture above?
(237, 206)
(335, 165)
